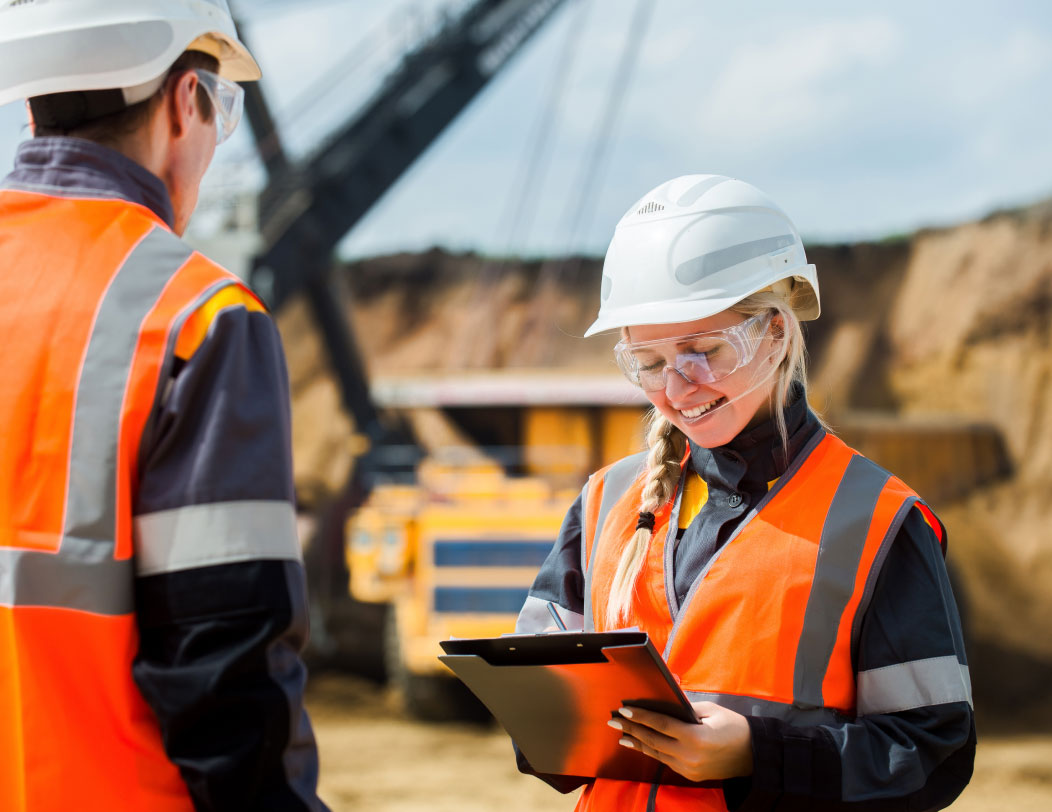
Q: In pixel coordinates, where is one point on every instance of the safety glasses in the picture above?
(228, 101)
(698, 358)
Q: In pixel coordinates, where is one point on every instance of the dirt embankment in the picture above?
(971, 334)
(950, 324)
(960, 328)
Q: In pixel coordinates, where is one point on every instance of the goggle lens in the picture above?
(698, 358)
(228, 101)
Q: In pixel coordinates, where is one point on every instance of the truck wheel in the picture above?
(427, 697)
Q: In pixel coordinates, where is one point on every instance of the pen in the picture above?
(555, 614)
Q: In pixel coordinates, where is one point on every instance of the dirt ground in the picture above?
(373, 758)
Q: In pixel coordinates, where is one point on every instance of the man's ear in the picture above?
(32, 123)
(182, 103)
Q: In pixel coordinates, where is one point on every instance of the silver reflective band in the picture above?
(616, 481)
(535, 617)
(755, 706)
(914, 684)
(84, 579)
(228, 102)
(839, 555)
(221, 533)
(91, 500)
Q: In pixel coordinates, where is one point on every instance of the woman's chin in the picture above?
(713, 429)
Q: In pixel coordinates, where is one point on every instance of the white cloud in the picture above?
(977, 74)
(803, 81)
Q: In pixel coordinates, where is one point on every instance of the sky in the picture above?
(861, 120)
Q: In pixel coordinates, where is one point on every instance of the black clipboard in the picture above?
(554, 694)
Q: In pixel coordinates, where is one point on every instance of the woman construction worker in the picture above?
(152, 599)
(796, 590)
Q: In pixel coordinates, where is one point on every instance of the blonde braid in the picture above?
(667, 446)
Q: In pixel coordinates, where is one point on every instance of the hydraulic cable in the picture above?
(521, 209)
(533, 169)
(579, 210)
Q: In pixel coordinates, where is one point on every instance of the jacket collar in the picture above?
(756, 456)
(74, 166)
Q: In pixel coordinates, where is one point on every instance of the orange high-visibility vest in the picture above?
(93, 294)
(768, 626)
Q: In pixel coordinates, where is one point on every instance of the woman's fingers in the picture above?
(653, 739)
(718, 747)
(655, 721)
(668, 759)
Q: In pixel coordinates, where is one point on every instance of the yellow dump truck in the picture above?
(454, 554)
(455, 561)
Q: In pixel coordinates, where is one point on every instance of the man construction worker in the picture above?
(152, 597)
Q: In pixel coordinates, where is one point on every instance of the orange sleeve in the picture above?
(195, 328)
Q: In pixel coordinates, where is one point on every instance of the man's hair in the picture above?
(113, 127)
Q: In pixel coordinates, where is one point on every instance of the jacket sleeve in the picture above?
(561, 581)
(220, 590)
(915, 748)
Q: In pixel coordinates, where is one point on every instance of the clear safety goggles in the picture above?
(228, 101)
(698, 357)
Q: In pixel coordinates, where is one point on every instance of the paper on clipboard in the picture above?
(554, 694)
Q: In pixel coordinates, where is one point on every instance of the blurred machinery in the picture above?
(453, 553)
(454, 550)
(452, 556)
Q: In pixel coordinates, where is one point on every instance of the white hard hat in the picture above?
(695, 246)
(59, 46)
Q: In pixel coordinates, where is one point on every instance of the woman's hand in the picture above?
(719, 747)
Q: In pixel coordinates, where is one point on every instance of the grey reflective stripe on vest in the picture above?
(754, 706)
(839, 553)
(584, 550)
(220, 533)
(83, 575)
(90, 581)
(671, 532)
(91, 498)
(914, 684)
(616, 481)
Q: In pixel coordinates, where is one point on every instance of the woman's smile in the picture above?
(695, 413)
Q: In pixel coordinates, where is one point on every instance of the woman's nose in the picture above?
(677, 384)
